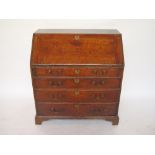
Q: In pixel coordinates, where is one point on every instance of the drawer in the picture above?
(76, 95)
(98, 109)
(77, 71)
(77, 109)
(77, 83)
(56, 110)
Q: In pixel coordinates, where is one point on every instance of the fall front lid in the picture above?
(77, 47)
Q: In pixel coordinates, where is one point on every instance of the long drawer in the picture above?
(77, 71)
(77, 109)
(105, 83)
(76, 95)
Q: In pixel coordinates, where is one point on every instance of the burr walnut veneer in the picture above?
(77, 73)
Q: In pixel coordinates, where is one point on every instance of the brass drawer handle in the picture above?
(76, 81)
(52, 109)
(76, 92)
(55, 72)
(76, 37)
(77, 71)
(56, 97)
(55, 83)
(101, 82)
(99, 72)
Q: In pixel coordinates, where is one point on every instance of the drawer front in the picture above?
(77, 83)
(77, 71)
(77, 109)
(56, 110)
(76, 95)
(98, 109)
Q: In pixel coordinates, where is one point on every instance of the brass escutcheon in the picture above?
(76, 81)
(77, 71)
(49, 70)
(99, 72)
(76, 92)
(77, 106)
(76, 37)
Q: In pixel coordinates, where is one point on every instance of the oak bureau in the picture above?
(77, 73)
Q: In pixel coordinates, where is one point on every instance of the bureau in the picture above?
(77, 73)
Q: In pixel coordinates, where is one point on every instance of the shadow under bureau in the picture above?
(77, 73)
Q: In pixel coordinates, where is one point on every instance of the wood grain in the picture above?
(77, 73)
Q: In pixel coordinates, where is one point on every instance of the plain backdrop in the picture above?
(137, 102)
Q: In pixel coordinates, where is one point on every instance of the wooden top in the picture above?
(77, 47)
(77, 31)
